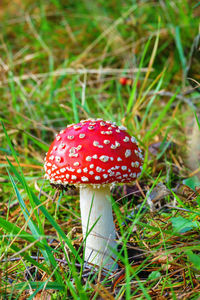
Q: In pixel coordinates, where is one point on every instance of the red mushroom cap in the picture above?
(125, 81)
(93, 152)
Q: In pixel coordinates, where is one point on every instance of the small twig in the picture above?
(105, 71)
(87, 267)
(170, 94)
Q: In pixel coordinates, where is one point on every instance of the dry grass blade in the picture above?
(102, 291)
(71, 71)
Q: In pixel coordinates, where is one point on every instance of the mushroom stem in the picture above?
(96, 208)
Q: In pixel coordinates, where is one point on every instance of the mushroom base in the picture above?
(98, 227)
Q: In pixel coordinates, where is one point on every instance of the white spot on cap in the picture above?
(84, 178)
(105, 176)
(62, 131)
(133, 140)
(119, 159)
(98, 169)
(72, 150)
(104, 158)
(96, 144)
(106, 132)
(76, 164)
(91, 166)
(62, 145)
(70, 125)
(133, 164)
(88, 158)
(62, 170)
(133, 175)
(76, 127)
(58, 159)
(128, 153)
(91, 173)
(49, 164)
(58, 137)
(102, 124)
(137, 164)
(81, 135)
(95, 156)
(136, 152)
(70, 169)
(122, 128)
(55, 147)
(51, 157)
(117, 144)
(85, 170)
(106, 142)
(74, 177)
(49, 172)
(79, 171)
(73, 154)
(67, 176)
(141, 156)
(124, 168)
(126, 139)
(70, 137)
(97, 178)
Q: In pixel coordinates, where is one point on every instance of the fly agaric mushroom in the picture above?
(94, 154)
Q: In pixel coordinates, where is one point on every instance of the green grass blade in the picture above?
(56, 226)
(14, 230)
(74, 104)
(197, 120)
(28, 258)
(180, 48)
(157, 122)
(38, 142)
(133, 91)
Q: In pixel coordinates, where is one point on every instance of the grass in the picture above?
(60, 64)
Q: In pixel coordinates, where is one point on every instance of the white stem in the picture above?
(96, 209)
